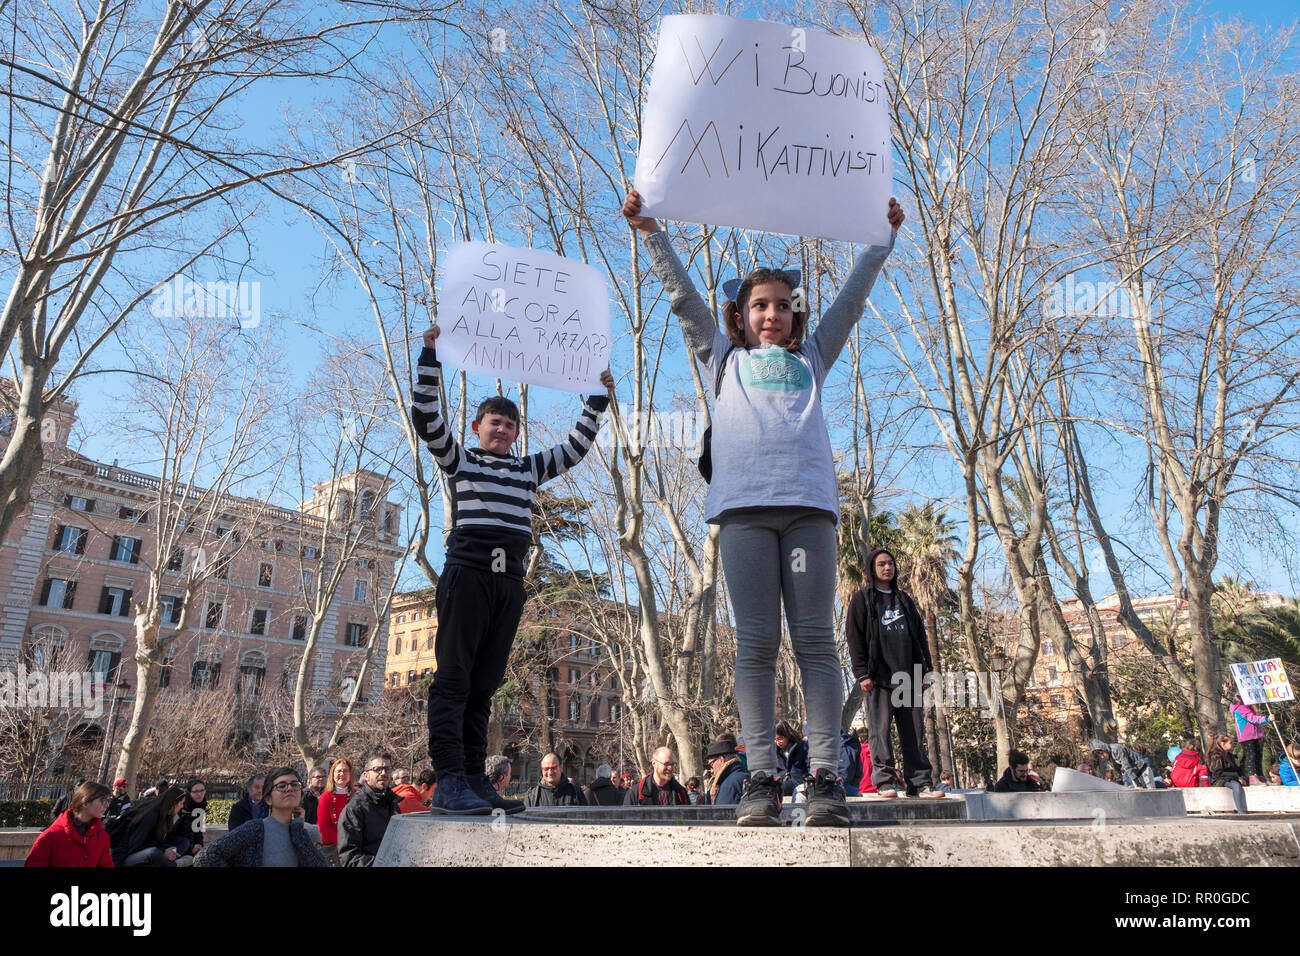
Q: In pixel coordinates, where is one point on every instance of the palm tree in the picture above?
(927, 545)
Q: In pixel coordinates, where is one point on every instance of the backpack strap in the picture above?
(722, 368)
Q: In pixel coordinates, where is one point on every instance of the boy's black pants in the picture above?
(478, 614)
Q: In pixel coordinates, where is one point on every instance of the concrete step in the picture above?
(528, 840)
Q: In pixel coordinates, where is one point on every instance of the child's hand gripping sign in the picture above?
(524, 315)
(766, 126)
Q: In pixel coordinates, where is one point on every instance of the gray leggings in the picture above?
(769, 555)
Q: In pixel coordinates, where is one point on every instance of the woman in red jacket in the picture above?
(343, 783)
(76, 837)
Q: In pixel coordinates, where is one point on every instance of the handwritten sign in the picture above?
(524, 315)
(1261, 682)
(764, 126)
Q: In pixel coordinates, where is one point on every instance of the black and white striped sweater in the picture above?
(492, 495)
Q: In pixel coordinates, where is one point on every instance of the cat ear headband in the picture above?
(732, 286)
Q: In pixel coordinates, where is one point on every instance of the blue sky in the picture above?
(288, 259)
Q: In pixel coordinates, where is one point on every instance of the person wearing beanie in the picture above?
(278, 839)
(121, 801)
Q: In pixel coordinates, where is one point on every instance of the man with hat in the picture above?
(726, 770)
(121, 801)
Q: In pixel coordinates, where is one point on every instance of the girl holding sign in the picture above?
(774, 496)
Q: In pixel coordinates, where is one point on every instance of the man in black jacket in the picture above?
(886, 639)
(311, 796)
(1017, 778)
(602, 792)
(554, 790)
(364, 820)
(250, 805)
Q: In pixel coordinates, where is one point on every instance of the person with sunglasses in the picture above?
(278, 839)
(365, 819)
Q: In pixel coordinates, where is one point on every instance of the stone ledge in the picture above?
(427, 840)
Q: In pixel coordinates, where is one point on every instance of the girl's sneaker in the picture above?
(826, 806)
(760, 802)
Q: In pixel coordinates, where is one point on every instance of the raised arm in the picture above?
(698, 325)
(838, 320)
(554, 462)
(426, 408)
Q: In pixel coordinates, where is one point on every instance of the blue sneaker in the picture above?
(454, 795)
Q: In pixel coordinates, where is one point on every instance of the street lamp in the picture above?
(120, 690)
(997, 660)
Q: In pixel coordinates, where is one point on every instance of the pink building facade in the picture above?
(76, 563)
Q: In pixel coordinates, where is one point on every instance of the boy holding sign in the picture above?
(481, 592)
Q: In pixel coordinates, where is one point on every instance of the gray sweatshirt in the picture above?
(770, 446)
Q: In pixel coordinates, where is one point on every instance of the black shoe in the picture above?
(760, 802)
(482, 787)
(826, 806)
(455, 796)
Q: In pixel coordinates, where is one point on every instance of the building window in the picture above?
(575, 675)
(206, 675)
(116, 601)
(70, 540)
(165, 672)
(390, 519)
(401, 619)
(615, 711)
(595, 710)
(415, 615)
(309, 551)
(171, 606)
(395, 679)
(358, 590)
(176, 559)
(103, 663)
(212, 617)
(591, 678)
(308, 579)
(58, 593)
(427, 672)
(552, 705)
(1058, 701)
(1051, 673)
(221, 567)
(251, 677)
(410, 677)
(132, 514)
(79, 504)
(264, 572)
(356, 635)
(367, 504)
(397, 646)
(428, 642)
(1117, 640)
(592, 649)
(575, 707)
(1049, 649)
(573, 641)
(299, 630)
(257, 625)
(125, 549)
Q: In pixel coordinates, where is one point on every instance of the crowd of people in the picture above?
(338, 818)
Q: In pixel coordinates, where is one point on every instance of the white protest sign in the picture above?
(524, 315)
(764, 126)
(1260, 682)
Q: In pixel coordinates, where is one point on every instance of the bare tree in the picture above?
(118, 124)
(206, 406)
